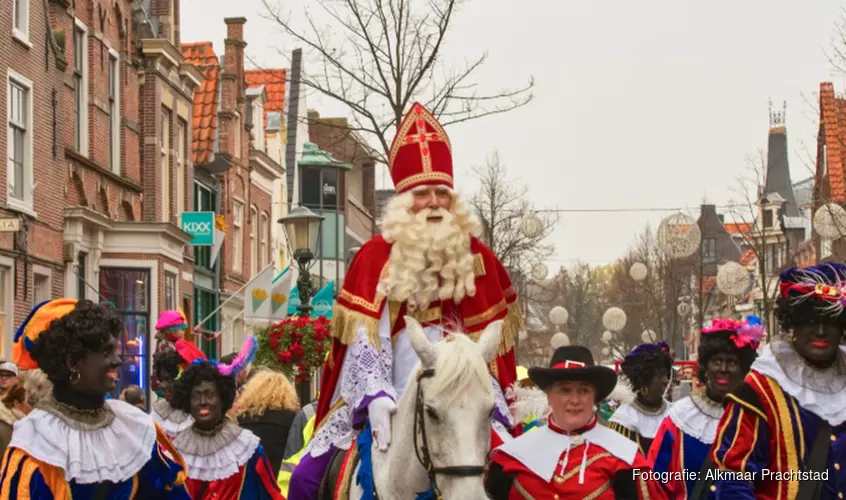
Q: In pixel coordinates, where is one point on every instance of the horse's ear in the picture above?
(417, 337)
(489, 341)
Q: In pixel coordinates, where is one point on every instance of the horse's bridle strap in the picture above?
(422, 450)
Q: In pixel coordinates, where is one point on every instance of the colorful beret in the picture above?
(746, 333)
(34, 325)
(171, 320)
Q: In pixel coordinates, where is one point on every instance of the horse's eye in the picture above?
(431, 413)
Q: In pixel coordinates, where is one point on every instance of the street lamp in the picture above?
(303, 226)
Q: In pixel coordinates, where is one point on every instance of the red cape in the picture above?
(359, 304)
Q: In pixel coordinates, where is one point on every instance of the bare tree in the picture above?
(587, 288)
(767, 242)
(502, 205)
(380, 56)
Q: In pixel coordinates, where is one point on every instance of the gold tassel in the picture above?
(346, 322)
(511, 327)
(478, 265)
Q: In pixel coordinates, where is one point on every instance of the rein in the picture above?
(422, 449)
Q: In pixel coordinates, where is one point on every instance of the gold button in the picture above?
(840, 495)
(713, 488)
(555, 497)
(836, 466)
(833, 438)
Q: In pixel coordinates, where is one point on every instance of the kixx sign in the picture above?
(200, 225)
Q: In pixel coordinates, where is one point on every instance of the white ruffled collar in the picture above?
(171, 420)
(216, 456)
(632, 418)
(821, 392)
(114, 453)
(698, 417)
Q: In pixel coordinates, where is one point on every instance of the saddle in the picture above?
(339, 476)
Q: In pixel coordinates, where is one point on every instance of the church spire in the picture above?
(778, 168)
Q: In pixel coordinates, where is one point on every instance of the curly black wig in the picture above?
(641, 368)
(202, 372)
(805, 297)
(87, 328)
(167, 362)
(791, 313)
(720, 342)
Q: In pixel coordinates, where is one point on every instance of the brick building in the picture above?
(34, 65)
(109, 160)
(241, 179)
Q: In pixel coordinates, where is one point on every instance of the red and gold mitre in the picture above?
(421, 153)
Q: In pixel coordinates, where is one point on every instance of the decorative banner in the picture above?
(323, 300)
(257, 296)
(279, 293)
(216, 245)
(321, 303)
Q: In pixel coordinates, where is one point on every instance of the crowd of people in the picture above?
(767, 418)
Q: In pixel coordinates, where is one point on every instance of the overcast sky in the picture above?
(648, 104)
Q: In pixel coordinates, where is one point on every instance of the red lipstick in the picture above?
(820, 343)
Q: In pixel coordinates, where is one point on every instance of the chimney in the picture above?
(234, 54)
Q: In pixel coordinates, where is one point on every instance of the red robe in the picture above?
(608, 459)
(359, 304)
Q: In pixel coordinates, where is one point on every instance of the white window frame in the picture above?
(82, 124)
(263, 227)
(181, 162)
(21, 33)
(165, 163)
(253, 242)
(237, 235)
(24, 204)
(171, 273)
(8, 265)
(43, 272)
(237, 131)
(114, 111)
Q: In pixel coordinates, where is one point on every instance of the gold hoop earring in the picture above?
(75, 376)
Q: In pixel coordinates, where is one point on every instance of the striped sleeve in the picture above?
(741, 446)
(22, 478)
(664, 457)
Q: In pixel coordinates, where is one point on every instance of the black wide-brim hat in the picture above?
(574, 363)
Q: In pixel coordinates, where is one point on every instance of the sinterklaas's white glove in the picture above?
(379, 411)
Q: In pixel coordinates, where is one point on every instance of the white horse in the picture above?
(451, 393)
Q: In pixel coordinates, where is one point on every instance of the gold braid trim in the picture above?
(346, 322)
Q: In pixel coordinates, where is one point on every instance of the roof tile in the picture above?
(274, 86)
(737, 227)
(206, 98)
(833, 127)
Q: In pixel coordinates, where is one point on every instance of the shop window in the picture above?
(128, 291)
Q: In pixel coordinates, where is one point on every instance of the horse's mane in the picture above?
(459, 370)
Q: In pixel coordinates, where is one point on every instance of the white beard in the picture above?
(429, 259)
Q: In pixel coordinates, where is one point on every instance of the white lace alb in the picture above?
(821, 392)
(113, 453)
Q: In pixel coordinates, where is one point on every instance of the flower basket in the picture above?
(296, 346)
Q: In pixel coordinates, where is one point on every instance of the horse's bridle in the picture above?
(422, 450)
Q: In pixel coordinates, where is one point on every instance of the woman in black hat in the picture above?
(649, 369)
(572, 456)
